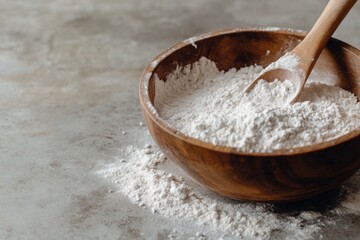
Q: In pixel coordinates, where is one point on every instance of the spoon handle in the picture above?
(323, 29)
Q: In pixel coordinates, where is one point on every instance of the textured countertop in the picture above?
(69, 73)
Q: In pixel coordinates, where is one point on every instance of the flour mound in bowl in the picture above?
(200, 101)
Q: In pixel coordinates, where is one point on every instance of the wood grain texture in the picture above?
(280, 176)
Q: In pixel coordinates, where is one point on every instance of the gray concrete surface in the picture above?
(69, 73)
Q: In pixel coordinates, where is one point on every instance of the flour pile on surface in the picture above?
(152, 181)
(205, 103)
(144, 177)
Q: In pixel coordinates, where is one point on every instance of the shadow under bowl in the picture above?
(279, 176)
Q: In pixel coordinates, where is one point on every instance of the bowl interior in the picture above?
(337, 65)
(338, 62)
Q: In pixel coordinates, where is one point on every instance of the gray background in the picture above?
(69, 73)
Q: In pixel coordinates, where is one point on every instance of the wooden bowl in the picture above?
(280, 176)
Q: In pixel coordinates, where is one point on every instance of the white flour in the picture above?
(146, 178)
(151, 181)
(288, 61)
(205, 103)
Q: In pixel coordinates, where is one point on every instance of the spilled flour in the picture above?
(205, 103)
(150, 180)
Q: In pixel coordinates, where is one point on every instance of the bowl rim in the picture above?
(150, 110)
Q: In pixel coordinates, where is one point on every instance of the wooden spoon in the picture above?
(308, 51)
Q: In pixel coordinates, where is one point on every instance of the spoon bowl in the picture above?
(281, 74)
